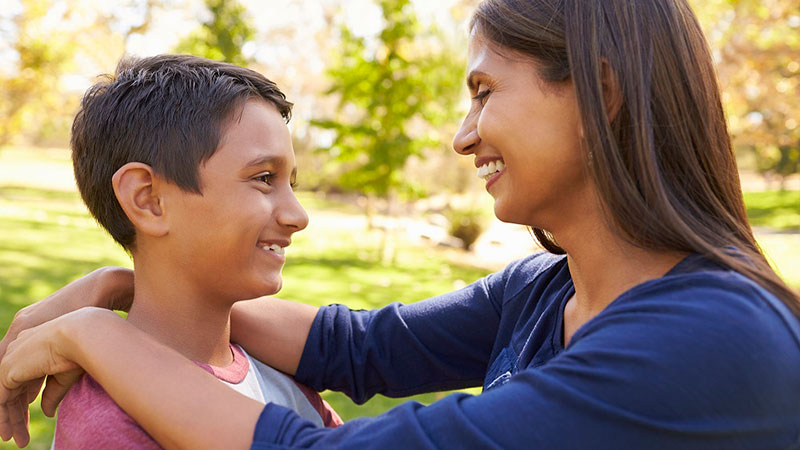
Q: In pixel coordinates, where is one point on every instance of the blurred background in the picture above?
(379, 92)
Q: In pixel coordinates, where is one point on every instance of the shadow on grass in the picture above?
(25, 284)
(25, 193)
(40, 251)
(774, 209)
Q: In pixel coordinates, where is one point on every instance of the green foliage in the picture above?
(223, 35)
(393, 96)
(27, 98)
(756, 45)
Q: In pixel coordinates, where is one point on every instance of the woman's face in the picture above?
(525, 136)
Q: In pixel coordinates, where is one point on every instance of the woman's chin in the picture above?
(506, 215)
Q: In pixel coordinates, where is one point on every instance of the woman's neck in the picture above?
(603, 266)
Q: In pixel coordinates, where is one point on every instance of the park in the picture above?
(395, 214)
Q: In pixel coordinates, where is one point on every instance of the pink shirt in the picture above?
(89, 419)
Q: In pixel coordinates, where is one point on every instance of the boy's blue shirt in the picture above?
(700, 358)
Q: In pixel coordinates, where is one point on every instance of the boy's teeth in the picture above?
(275, 248)
(487, 170)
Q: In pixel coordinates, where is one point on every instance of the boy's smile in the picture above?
(230, 240)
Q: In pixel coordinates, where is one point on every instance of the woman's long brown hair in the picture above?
(664, 167)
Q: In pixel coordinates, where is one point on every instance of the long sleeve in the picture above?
(441, 343)
(402, 350)
(690, 363)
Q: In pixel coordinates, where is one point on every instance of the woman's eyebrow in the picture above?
(471, 78)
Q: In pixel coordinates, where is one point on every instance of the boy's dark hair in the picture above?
(166, 111)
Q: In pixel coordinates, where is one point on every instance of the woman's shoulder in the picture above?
(541, 266)
(709, 292)
(709, 312)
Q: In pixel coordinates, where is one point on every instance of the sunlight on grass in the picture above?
(47, 239)
(783, 251)
(774, 209)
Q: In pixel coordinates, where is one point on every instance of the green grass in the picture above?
(774, 209)
(47, 239)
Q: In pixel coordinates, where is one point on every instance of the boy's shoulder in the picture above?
(88, 418)
(284, 390)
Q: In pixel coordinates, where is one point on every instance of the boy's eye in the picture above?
(265, 178)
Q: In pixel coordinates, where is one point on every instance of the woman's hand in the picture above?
(153, 383)
(42, 351)
(107, 287)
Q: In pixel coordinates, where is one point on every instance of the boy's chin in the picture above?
(271, 288)
(257, 292)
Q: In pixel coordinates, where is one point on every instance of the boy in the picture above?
(188, 164)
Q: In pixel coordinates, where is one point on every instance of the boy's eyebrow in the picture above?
(269, 159)
(264, 160)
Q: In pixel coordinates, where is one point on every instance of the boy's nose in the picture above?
(466, 139)
(292, 215)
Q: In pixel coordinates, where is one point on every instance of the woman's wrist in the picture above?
(84, 328)
(113, 288)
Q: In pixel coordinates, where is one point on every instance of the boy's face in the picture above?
(231, 238)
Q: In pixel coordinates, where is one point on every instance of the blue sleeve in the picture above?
(680, 369)
(399, 350)
(441, 343)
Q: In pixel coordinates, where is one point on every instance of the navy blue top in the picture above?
(700, 358)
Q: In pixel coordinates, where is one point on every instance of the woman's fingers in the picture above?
(56, 388)
(109, 287)
(5, 425)
(28, 359)
(14, 418)
(33, 389)
(19, 421)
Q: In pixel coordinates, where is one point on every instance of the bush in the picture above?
(466, 224)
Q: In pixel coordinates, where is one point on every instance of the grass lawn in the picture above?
(774, 209)
(48, 239)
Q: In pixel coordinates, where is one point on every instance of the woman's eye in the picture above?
(265, 178)
(481, 96)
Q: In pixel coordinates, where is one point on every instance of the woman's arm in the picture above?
(180, 405)
(282, 324)
(106, 287)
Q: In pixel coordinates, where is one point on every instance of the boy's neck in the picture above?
(181, 315)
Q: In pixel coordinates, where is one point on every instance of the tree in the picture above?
(394, 93)
(28, 92)
(53, 42)
(223, 35)
(756, 45)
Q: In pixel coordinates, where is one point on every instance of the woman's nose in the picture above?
(466, 139)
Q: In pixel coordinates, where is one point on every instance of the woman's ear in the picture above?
(137, 191)
(612, 93)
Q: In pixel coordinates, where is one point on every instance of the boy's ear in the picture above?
(138, 193)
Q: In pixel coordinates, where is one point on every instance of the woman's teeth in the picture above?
(487, 170)
(274, 247)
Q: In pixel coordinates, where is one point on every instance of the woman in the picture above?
(599, 125)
